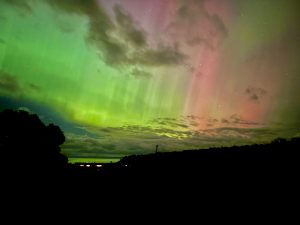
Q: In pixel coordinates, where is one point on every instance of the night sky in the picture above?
(121, 76)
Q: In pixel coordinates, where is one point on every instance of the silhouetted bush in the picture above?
(25, 142)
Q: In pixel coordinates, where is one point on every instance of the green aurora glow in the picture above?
(127, 75)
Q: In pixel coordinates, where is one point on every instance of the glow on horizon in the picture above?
(92, 160)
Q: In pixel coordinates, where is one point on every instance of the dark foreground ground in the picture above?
(274, 165)
(278, 160)
(260, 177)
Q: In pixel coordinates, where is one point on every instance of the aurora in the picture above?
(122, 76)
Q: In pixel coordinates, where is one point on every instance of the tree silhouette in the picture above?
(28, 143)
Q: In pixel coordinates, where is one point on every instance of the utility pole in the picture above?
(156, 150)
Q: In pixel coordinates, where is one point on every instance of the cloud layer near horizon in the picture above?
(110, 142)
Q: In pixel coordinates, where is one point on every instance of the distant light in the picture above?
(126, 165)
(81, 165)
(88, 165)
(99, 165)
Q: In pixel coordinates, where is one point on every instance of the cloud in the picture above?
(65, 26)
(225, 121)
(237, 119)
(255, 94)
(131, 33)
(200, 41)
(193, 123)
(24, 5)
(9, 83)
(111, 47)
(218, 24)
(137, 73)
(33, 87)
(112, 147)
(167, 56)
(100, 28)
(172, 123)
(121, 42)
(183, 12)
(190, 10)
(204, 28)
(116, 142)
(171, 134)
(193, 11)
